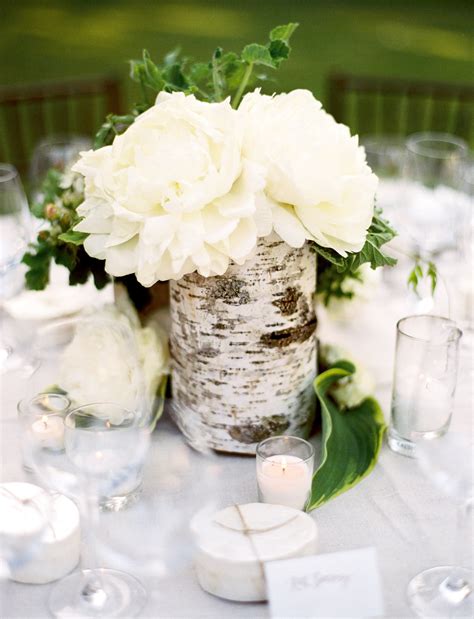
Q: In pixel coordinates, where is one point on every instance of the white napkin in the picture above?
(58, 299)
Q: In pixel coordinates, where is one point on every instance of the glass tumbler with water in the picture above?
(424, 380)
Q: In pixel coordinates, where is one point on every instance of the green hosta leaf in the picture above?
(160, 402)
(351, 440)
(284, 32)
(258, 54)
(76, 238)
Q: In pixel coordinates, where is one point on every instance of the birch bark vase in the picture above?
(243, 349)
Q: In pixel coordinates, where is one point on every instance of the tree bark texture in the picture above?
(243, 349)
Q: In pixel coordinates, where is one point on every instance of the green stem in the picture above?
(242, 86)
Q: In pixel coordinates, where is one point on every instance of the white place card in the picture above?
(340, 584)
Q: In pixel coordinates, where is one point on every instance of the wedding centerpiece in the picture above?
(248, 204)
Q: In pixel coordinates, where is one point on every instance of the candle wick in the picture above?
(44, 419)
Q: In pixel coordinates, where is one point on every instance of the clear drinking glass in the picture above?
(15, 231)
(447, 591)
(434, 204)
(424, 381)
(285, 471)
(105, 449)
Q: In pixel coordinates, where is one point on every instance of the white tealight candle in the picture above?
(48, 430)
(284, 480)
(57, 551)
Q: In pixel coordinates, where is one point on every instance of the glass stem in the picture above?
(93, 592)
(456, 586)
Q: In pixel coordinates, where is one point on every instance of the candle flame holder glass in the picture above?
(424, 381)
(42, 420)
(285, 471)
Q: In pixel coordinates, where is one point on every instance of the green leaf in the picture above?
(379, 233)
(258, 54)
(284, 32)
(154, 78)
(76, 238)
(351, 440)
(330, 255)
(279, 51)
(160, 402)
(37, 209)
(432, 274)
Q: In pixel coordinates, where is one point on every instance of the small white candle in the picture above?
(284, 480)
(57, 550)
(48, 430)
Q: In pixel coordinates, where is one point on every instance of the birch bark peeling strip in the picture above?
(230, 557)
(243, 349)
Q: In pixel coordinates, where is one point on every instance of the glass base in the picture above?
(121, 501)
(434, 593)
(115, 594)
(400, 445)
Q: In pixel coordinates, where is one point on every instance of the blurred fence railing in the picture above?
(382, 106)
(29, 113)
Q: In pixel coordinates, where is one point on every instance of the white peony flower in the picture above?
(115, 377)
(318, 184)
(172, 195)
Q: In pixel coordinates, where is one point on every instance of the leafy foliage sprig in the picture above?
(335, 269)
(61, 195)
(226, 74)
(421, 271)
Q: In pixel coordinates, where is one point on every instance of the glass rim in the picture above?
(454, 337)
(75, 412)
(382, 143)
(415, 144)
(27, 401)
(8, 172)
(285, 437)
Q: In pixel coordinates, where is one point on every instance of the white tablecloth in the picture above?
(395, 509)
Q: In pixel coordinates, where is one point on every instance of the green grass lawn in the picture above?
(54, 39)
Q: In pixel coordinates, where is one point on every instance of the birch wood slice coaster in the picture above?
(233, 545)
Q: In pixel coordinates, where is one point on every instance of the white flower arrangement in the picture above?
(191, 185)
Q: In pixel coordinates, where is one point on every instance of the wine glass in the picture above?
(58, 153)
(434, 204)
(15, 230)
(447, 591)
(105, 446)
(153, 537)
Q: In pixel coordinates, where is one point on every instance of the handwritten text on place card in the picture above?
(341, 584)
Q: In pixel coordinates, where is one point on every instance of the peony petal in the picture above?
(288, 226)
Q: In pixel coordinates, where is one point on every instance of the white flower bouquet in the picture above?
(233, 196)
